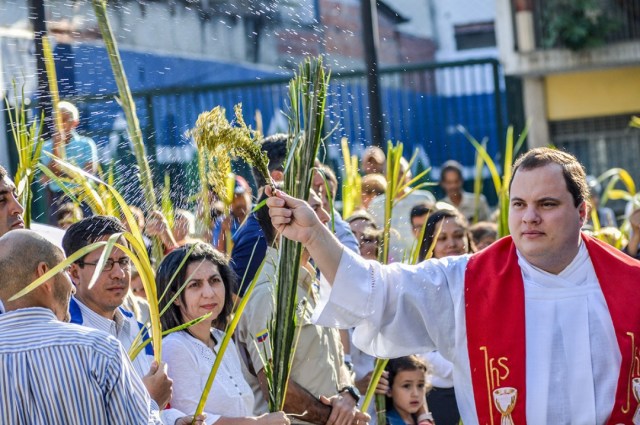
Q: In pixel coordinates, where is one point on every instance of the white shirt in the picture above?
(189, 363)
(399, 310)
(125, 329)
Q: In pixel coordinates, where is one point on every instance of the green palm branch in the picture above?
(127, 103)
(500, 182)
(28, 140)
(352, 182)
(307, 96)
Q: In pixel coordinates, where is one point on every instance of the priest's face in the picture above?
(543, 219)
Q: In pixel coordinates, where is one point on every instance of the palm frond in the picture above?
(28, 140)
(352, 182)
(127, 103)
(167, 204)
(220, 140)
(307, 97)
(500, 182)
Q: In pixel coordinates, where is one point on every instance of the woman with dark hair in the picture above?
(207, 279)
(454, 237)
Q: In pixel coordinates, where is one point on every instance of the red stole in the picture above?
(494, 307)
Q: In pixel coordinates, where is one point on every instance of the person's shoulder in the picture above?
(84, 139)
(97, 341)
(472, 196)
(421, 195)
(175, 342)
(179, 337)
(250, 230)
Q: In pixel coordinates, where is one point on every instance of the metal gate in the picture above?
(422, 107)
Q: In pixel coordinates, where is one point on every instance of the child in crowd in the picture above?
(406, 402)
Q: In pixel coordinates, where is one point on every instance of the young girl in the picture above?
(406, 403)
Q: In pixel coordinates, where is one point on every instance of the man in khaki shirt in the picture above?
(320, 385)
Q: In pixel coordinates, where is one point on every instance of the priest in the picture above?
(542, 327)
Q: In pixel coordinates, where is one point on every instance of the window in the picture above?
(475, 36)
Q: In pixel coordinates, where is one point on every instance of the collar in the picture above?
(88, 317)
(575, 274)
(29, 314)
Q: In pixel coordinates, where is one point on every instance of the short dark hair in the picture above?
(169, 266)
(403, 364)
(572, 170)
(482, 229)
(329, 176)
(431, 227)
(451, 165)
(275, 146)
(362, 215)
(420, 209)
(88, 231)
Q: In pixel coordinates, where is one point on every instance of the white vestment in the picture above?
(572, 356)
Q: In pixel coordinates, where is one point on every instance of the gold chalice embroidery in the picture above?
(505, 400)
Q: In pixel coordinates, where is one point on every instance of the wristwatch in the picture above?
(353, 392)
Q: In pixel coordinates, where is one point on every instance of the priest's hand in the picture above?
(297, 221)
(292, 217)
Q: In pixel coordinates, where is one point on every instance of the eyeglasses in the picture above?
(125, 264)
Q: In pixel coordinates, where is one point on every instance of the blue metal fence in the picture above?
(422, 106)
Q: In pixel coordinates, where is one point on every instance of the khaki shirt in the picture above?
(318, 361)
(467, 206)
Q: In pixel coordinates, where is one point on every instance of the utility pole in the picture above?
(370, 40)
(37, 18)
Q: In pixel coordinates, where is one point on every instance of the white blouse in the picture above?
(189, 362)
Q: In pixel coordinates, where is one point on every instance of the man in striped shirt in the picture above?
(51, 371)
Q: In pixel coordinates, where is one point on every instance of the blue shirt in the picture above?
(60, 373)
(393, 418)
(79, 151)
(245, 264)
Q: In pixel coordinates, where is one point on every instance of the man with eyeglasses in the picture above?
(100, 307)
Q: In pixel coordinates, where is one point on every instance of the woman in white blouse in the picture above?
(190, 354)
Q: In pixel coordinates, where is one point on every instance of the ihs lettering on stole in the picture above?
(633, 383)
(503, 398)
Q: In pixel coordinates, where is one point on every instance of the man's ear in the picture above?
(74, 272)
(583, 210)
(41, 269)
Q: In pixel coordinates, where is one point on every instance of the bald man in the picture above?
(51, 371)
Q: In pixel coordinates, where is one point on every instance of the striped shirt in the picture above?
(59, 373)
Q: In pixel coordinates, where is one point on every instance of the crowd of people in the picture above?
(539, 326)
